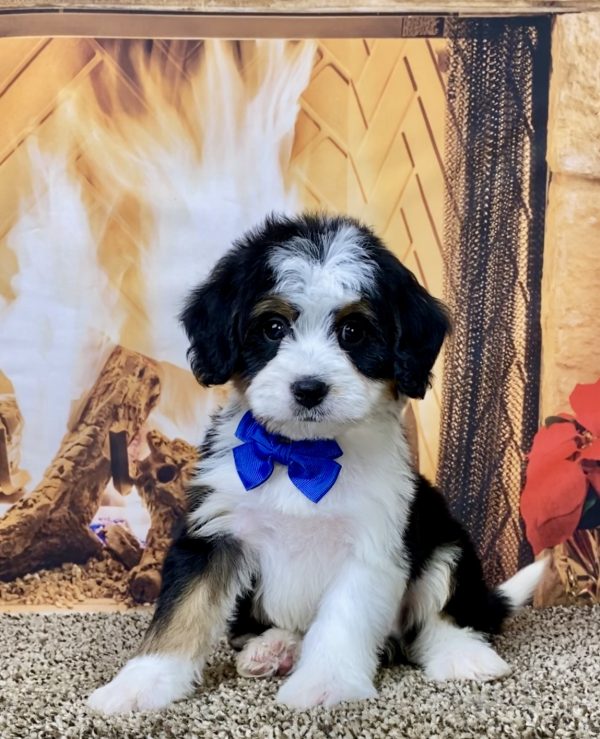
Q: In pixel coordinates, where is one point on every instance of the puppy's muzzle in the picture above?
(309, 391)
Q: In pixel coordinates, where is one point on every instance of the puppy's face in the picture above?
(316, 321)
(314, 354)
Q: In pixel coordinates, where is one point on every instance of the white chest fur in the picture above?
(299, 546)
(297, 558)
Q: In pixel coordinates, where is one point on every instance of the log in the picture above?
(122, 545)
(51, 525)
(161, 480)
(12, 478)
(119, 461)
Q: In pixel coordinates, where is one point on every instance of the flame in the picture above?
(206, 163)
(60, 325)
(187, 155)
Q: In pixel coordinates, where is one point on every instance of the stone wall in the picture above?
(571, 280)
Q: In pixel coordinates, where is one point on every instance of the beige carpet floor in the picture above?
(49, 663)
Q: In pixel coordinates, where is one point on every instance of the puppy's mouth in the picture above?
(311, 415)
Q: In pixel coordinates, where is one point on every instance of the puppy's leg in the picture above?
(201, 579)
(274, 652)
(450, 584)
(448, 652)
(246, 623)
(340, 650)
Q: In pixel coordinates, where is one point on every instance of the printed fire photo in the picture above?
(128, 167)
(131, 169)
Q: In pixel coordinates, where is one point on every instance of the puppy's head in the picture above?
(314, 319)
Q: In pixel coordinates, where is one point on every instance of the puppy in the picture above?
(309, 537)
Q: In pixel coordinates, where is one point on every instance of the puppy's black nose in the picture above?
(309, 391)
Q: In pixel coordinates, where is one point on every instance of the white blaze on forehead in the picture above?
(324, 273)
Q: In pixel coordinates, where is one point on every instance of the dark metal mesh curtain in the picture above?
(497, 110)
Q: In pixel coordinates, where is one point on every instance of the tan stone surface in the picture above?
(570, 290)
(574, 135)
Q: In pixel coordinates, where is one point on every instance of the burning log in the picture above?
(122, 545)
(51, 526)
(161, 479)
(12, 480)
(119, 461)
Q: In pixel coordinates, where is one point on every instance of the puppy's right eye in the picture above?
(352, 332)
(275, 328)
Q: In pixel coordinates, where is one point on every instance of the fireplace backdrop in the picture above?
(129, 169)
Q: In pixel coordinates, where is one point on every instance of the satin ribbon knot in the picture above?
(311, 463)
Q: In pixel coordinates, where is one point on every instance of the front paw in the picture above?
(146, 683)
(475, 660)
(307, 688)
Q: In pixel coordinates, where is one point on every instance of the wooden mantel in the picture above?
(312, 7)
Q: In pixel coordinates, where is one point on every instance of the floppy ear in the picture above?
(421, 326)
(210, 318)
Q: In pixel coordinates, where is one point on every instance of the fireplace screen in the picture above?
(130, 167)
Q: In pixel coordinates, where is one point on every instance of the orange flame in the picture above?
(157, 164)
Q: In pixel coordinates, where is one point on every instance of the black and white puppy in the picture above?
(309, 537)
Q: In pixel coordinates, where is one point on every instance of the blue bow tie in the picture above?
(310, 464)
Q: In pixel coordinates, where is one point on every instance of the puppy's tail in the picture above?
(518, 590)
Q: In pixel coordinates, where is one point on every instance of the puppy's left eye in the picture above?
(275, 328)
(351, 333)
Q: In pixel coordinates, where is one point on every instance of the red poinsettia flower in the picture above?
(562, 486)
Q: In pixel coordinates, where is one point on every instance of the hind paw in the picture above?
(273, 653)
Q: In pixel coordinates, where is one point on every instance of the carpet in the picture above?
(50, 663)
